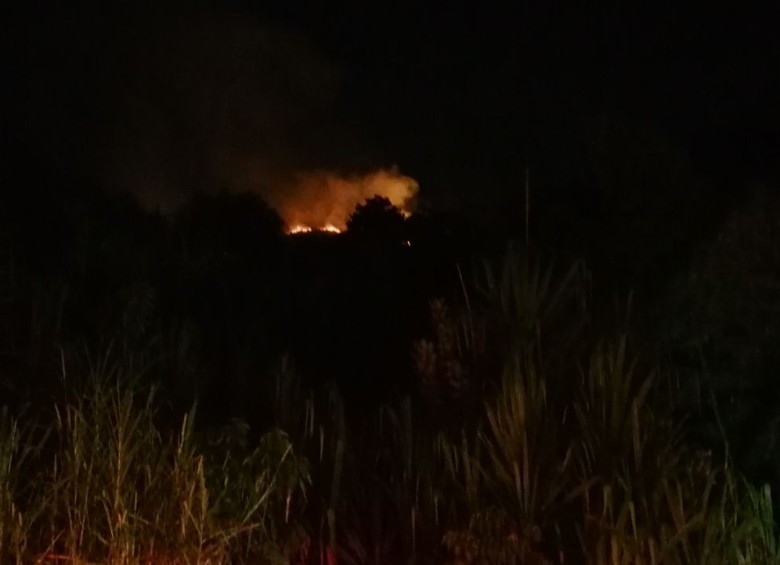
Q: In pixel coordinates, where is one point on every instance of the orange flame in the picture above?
(323, 200)
(300, 228)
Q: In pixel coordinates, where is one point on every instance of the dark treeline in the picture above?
(208, 299)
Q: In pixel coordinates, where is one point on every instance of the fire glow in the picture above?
(300, 228)
(322, 201)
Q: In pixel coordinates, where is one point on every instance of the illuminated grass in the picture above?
(112, 488)
(567, 453)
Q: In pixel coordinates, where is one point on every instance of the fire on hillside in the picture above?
(322, 201)
(300, 228)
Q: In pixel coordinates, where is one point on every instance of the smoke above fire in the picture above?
(209, 102)
(324, 200)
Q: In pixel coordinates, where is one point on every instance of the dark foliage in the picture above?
(206, 301)
(378, 220)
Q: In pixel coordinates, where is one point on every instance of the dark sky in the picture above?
(479, 84)
(460, 98)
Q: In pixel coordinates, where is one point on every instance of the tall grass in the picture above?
(112, 487)
(550, 446)
(603, 480)
(14, 523)
(590, 469)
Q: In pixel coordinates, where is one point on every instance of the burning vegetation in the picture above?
(323, 200)
(300, 228)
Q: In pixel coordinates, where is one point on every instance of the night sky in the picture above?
(476, 88)
(462, 99)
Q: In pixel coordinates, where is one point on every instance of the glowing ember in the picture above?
(300, 228)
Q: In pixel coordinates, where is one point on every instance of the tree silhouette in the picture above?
(377, 219)
(234, 223)
(724, 310)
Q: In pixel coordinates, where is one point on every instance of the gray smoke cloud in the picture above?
(165, 105)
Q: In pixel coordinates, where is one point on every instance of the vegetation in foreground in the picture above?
(527, 441)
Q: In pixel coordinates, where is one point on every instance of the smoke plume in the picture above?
(164, 105)
(321, 199)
